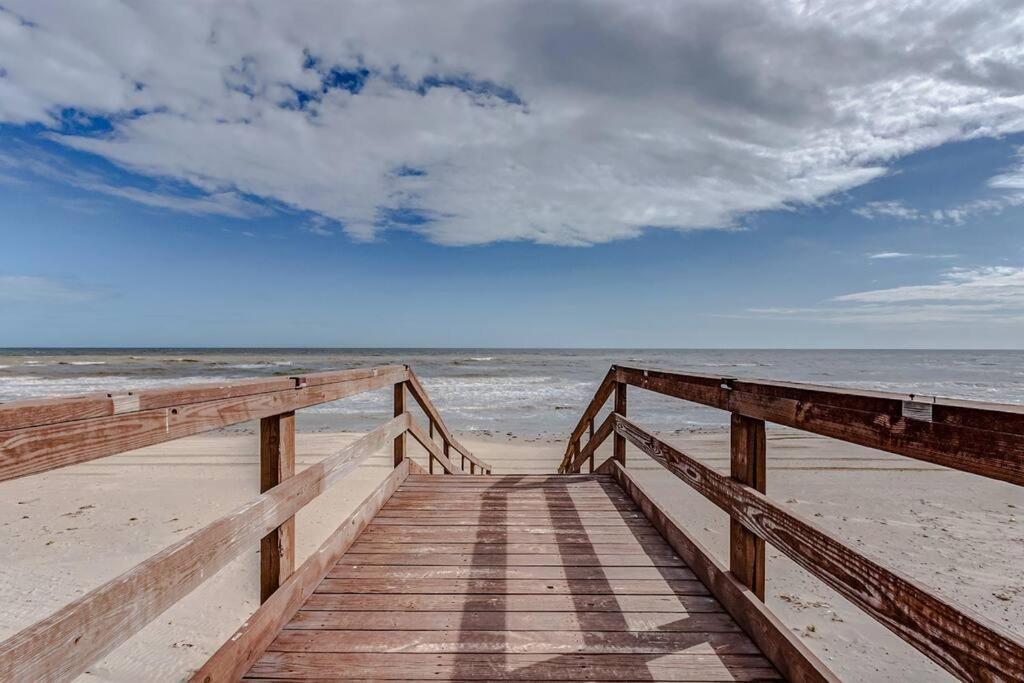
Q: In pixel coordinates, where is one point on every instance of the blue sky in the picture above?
(380, 189)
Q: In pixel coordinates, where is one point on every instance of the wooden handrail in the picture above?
(64, 644)
(43, 435)
(976, 437)
(966, 645)
(601, 395)
(157, 418)
(423, 399)
(980, 438)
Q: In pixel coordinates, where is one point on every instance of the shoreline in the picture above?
(71, 529)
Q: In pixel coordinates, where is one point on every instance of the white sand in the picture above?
(67, 531)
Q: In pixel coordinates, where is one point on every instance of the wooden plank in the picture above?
(277, 463)
(792, 658)
(433, 534)
(351, 570)
(36, 412)
(514, 586)
(387, 666)
(421, 397)
(651, 548)
(399, 444)
(512, 480)
(986, 440)
(236, 655)
(37, 449)
(511, 506)
(597, 559)
(510, 641)
(618, 443)
(965, 644)
(64, 644)
(574, 604)
(570, 519)
(481, 531)
(665, 622)
(747, 466)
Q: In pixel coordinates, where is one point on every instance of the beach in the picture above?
(69, 530)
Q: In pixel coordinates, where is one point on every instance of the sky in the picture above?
(731, 173)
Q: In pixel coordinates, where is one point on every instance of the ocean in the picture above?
(525, 392)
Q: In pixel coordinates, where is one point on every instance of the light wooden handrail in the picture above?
(43, 435)
(941, 431)
(423, 399)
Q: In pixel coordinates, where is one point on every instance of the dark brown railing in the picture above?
(38, 436)
(980, 438)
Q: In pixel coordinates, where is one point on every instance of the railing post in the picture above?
(591, 438)
(399, 409)
(575, 454)
(619, 442)
(747, 466)
(277, 463)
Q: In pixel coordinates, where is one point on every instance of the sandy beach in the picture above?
(69, 530)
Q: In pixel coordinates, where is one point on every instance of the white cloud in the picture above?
(904, 255)
(31, 288)
(675, 115)
(993, 294)
(888, 209)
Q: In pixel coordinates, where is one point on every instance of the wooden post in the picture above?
(592, 454)
(399, 409)
(619, 441)
(747, 466)
(277, 463)
(446, 454)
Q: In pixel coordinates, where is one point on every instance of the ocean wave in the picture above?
(260, 364)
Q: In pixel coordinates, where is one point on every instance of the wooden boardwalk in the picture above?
(511, 577)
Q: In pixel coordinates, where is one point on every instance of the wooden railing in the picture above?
(980, 438)
(38, 436)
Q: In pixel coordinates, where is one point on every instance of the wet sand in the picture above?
(69, 530)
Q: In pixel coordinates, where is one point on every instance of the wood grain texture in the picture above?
(967, 645)
(240, 651)
(434, 451)
(470, 610)
(399, 409)
(61, 646)
(35, 412)
(791, 657)
(491, 667)
(40, 448)
(596, 439)
(747, 466)
(277, 463)
(981, 438)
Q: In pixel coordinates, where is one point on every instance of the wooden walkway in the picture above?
(511, 577)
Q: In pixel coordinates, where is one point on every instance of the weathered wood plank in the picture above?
(350, 570)
(510, 641)
(792, 658)
(41, 448)
(65, 643)
(596, 559)
(965, 644)
(277, 463)
(569, 519)
(387, 666)
(236, 655)
(398, 449)
(577, 603)
(598, 438)
(747, 466)
(986, 440)
(665, 622)
(36, 412)
(650, 548)
(514, 586)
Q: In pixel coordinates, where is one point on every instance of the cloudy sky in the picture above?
(675, 174)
